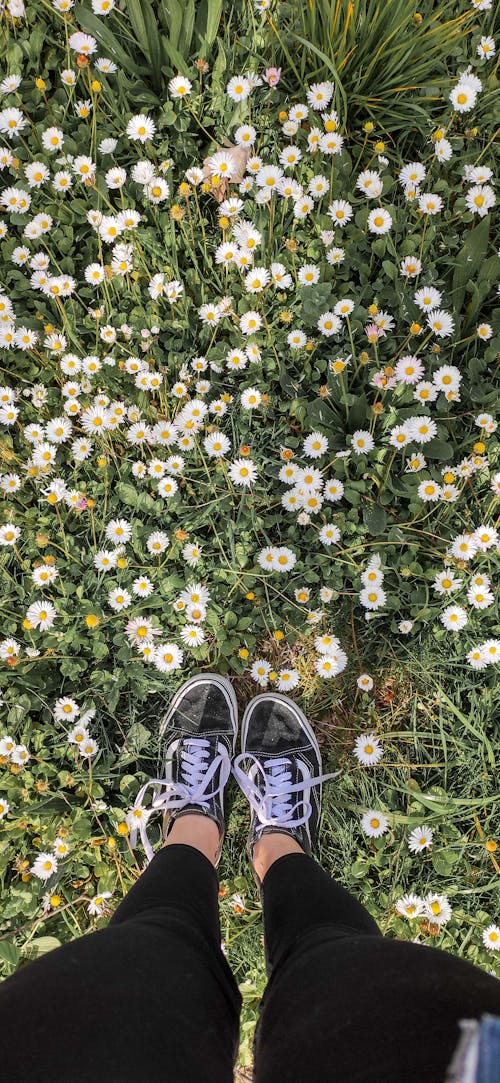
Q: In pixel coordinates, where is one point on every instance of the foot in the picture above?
(279, 771)
(199, 733)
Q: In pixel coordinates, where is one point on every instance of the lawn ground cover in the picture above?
(249, 350)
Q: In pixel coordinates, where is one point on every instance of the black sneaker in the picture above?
(199, 732)
(282, 776)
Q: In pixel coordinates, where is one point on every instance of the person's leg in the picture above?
(150, 998)
(344, 1003)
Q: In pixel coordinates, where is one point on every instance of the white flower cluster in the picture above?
(372, 596)
(433, 907)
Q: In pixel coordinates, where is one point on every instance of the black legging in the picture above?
(152, 999)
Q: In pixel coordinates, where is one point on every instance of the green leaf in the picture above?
(438, 449)
(95, 26)
(358, 412)
(214, 12)
(9, 952)
(172, 20)
(144, 25)
(137, 738)
(443, 861)
(82, 828)
(40, 946)
(469, 260)
(374, 518)
(390, 269)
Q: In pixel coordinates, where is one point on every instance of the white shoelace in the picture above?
(196, 773)
(275, 807)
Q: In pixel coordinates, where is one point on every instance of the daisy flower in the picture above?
(167, 657)
(44, 866)
(118, 530)
(192, 554)
(367, 749)
(331, 664)
(410, 267)
(9, 534)
(464, 547)
(429, 203)
(329, 324)
(412, 173)
(440, 322)
(167, 487)
(192, 635)
(140, 128)
(491, 650)
(429, 491)
(374, 824)
(365, 682)
(420, 839)
(216, 444)
(297, 339)
(260, 671)
(409, 906)
(9, 648)
(486, 48)
(157, 542)
(41, 615)
(480, 598)
(485, 537)
(372, 598)
(20, 755)
(340, 211)
(287, 679)
(315, 445)
(463, 98)
(491, 938)
(250, 322)
(479, 199)
(140, 631)
(88, 748)
(97, 904)
(251, 398)
(362, 442)
(238, 88)
(242, 472)
(427, 297)
(334, 490)
(437, 909)
(454, 618)
(119, 599)
(66, 709)
(319, 95)
(445, 582)
(379, 221)
(82, 43)
(179, 87)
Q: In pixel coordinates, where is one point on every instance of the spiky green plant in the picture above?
(387, 60)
